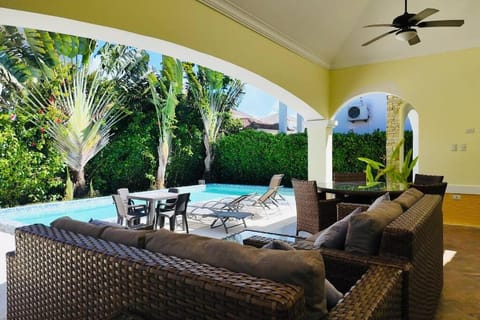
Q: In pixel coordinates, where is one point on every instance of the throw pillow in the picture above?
(303, 268)
(334, 236)
(331, 293)
(365, 229)
(383, 197)
(132, 238)
(278, 245)
(85, 228)
(408, 198)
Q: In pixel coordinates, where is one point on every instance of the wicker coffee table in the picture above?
(260, 238)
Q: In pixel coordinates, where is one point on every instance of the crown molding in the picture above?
(252, 22)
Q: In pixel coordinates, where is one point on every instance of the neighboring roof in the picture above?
(267, 124)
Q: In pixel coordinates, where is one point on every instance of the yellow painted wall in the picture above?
(464, 211)
(445, 91)
(193, 25)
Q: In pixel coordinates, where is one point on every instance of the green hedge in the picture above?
(252, 157)
(347, 147)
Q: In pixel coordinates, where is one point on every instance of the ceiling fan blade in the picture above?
(414, 40)
(441, 23)
(379, 37)
(422, 15)
(379, 25)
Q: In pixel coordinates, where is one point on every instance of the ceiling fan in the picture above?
(405, 25)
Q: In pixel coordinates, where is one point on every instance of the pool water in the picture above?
(102, 208)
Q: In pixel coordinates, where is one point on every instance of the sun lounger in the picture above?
(223, 210)
(222, 217)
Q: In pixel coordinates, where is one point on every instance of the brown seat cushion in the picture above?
(133, 238)
(85, 228)
(298, 267)
(365, 229)
(408, 198)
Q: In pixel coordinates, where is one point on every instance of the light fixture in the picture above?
(406, 34)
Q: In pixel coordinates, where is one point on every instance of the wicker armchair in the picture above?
(427, 179)
(435, 188)
(313, 213)
(416, 238)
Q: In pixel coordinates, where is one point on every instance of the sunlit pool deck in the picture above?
(102, 208)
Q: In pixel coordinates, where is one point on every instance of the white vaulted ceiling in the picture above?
(329, 32)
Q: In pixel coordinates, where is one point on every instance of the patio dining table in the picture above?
(152, 197)
(358, 190)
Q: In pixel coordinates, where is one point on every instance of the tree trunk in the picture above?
(163, 153)
(209, 156)
(79, 183)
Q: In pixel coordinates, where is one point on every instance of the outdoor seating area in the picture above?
(161, 206)
(399, 262)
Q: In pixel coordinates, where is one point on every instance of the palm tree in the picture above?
(76, 109)
(215, 95)
(79, 116)
(170, 86)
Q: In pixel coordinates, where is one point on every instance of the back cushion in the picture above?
(380, 199)
(334, 236)
(133, 238)
(365, 229)
(408, 198)
(85, 228)
(298, 267)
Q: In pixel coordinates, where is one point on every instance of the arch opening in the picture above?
(383, 111)
(108, 34)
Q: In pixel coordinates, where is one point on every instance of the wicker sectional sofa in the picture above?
(413, 242)
(56, 273)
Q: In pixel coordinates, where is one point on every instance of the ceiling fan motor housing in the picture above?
(403, 21)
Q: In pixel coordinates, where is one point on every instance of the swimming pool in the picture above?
(102, 208)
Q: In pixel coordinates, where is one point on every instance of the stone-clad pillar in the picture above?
(395, 126)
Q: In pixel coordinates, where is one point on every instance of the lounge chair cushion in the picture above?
(408, 198)
(303, 268)
(331, 293)
(334, 236)
(85, 228)
(365, 229)
(133, 238)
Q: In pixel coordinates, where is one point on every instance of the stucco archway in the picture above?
(318, 126)
(395, 113)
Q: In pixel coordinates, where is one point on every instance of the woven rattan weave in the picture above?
(57, 274)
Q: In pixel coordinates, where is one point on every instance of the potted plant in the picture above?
(393, 173)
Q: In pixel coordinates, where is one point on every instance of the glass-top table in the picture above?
(360, 189)
(259, 238)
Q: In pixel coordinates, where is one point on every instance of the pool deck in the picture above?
(280, 220)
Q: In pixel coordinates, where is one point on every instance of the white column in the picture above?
(320, 149)
(300, 123)
(282, 117)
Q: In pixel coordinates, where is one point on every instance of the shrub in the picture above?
(252, 157)
(31, 170)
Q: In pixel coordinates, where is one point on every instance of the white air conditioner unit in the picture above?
(357, 113)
